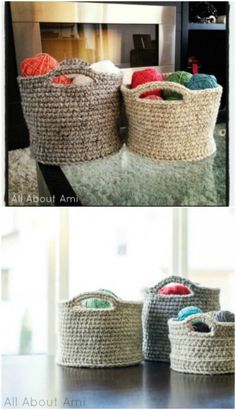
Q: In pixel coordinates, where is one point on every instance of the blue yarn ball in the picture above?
(188, 311)
(201, 82)
(224, 316)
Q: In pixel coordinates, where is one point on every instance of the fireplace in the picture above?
(132, 36)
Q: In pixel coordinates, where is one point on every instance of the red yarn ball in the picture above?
(146, 76)
(174, 290)
(42, 64)
(151, 97)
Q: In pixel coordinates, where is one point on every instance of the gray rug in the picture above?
(128, 179)
(22, 180)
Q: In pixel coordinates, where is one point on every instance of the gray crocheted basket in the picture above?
(204, 353)
(172, 130)
(99, 337)
(157, 309)
(70, 123)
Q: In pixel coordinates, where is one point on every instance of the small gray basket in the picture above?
(158, 309)
(203, 353)
(99, 337)
(71, 123)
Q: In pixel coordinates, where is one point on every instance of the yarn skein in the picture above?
(42, 64)
(105, 66)
(181, 77)
(175, 289)
(224, 316)
(188, 311)
(97, 303)
(146, 76)
(200, 327)
(202, 81)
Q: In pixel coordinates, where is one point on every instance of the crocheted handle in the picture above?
(75, 302)
(200, 317)
(176, 279)
(161, 85)
(73, 66)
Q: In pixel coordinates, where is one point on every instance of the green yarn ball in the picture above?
(97, 303)
(202, 81)
(188, 311)
(180, 77)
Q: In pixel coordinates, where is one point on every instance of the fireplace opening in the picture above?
(126, 45)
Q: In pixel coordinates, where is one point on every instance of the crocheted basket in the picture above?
(172, 130)
(204, 353)
(157, 309)
(70, 123)
(99, 337)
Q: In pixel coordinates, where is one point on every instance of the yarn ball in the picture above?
(202, 81)
(146, 76)
(180, 77)
(224, 316)
(188, 311)
(42, 64)
(174, 290)
(105, 66)
(152, 97)
(80, 79)
(200, 327)
(97, 303)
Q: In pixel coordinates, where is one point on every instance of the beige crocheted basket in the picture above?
(203, 353)
(180, 130)
(70, 123)
(99, 337)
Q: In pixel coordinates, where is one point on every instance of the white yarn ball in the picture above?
(81, 79)
(105, 66)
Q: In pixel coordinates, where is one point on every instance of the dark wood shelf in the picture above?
(150, 385)
(205, 26)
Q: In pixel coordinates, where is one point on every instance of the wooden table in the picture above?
(37, 381)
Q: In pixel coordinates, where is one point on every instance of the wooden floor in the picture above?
(37, 381)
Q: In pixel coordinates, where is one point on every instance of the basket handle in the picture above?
(161, 85)
(75, 302)
(205, 318)
(73, 66)
(176, 279)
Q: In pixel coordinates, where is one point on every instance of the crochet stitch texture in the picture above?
(71, 123)
(99, 337)
(157, 309)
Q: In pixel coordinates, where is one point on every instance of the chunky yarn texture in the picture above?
(71, 123)
(203, 353)
(99, 337)
(172, 130)
(157, 309)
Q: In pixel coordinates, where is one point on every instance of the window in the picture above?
(51, 254)
(122, 251)
(26, 259)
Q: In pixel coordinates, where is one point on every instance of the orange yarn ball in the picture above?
(42, 64)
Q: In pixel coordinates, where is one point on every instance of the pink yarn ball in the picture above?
(174, 290)
(152, 97)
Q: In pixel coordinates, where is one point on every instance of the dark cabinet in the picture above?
(16, 130)
(208, 42)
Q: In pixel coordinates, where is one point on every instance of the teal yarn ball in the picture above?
(97, 303)
(188, 311)
(181, 77)
(202, 82)
(224, 316)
